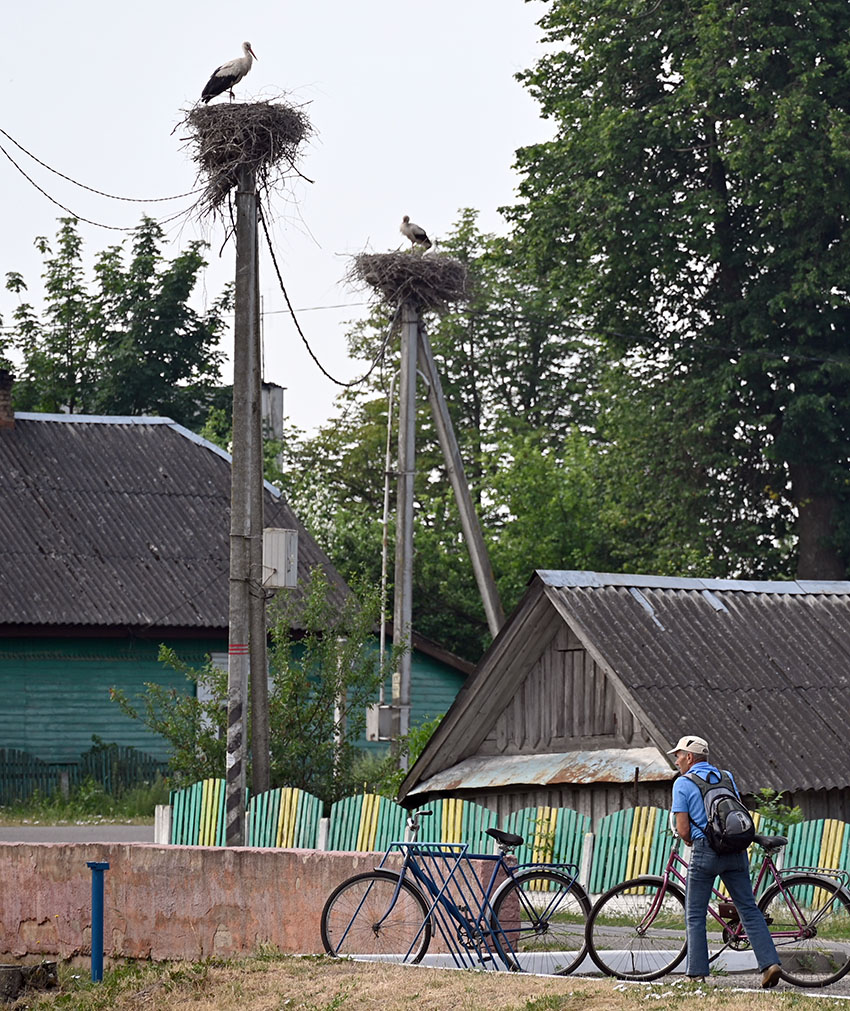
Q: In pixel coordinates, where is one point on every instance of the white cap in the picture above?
(690, 742)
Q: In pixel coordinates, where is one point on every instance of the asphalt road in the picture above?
(75, 833)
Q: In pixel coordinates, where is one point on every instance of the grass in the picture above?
(88, 803)
(272, 982)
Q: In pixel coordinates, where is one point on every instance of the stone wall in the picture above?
(164, 902)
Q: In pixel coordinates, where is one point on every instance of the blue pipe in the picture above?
(97, 870)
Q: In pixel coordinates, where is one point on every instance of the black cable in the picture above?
(322, 369)
(91, 189)
(79, 217)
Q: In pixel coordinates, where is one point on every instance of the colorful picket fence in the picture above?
(458, 821)
(366, 823)
(286, 817)
(552, 834)
(629, 843)
(197, 814)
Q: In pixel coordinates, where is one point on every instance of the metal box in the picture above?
(280, 558)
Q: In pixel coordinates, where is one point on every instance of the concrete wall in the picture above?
(164, 902)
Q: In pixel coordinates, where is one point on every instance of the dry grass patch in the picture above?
(279, 983)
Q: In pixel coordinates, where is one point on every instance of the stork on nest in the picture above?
(427, 282)
(262, 135)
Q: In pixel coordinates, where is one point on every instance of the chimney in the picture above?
(7, 415)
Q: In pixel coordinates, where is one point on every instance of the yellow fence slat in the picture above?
(287, 816)
(368, 823)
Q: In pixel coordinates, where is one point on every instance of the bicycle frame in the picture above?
(468, 923)
(734, 931)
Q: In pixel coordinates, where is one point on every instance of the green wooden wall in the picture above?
(56, 692)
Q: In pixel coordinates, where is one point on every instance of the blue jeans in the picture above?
(705, 866)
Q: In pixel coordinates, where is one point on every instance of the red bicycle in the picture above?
(636, 930)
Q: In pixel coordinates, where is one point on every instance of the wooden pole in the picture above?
(260, 758)
(454, 464)
(241, 506)
(403, 590)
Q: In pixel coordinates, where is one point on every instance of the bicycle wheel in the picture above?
(538, 919)
(371, 915)
(636, 930)
(809, 920)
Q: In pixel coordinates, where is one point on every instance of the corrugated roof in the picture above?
(765, 678)
(122, 522)
(607, 765)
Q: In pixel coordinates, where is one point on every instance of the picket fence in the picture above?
(625, 844)
(115, 767)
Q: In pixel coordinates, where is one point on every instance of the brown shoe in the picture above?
(770, 976)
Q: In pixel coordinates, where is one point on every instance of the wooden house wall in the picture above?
(565, 703)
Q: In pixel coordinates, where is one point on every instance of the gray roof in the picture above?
(121, 522)
(761, 670)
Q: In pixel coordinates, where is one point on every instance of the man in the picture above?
(691, 755)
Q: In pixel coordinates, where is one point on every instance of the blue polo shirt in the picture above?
(688, 800)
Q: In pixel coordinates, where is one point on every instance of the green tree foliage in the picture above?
(690, 209)
(324, 672)
(130, 343)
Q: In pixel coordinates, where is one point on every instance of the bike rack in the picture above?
(451, 877)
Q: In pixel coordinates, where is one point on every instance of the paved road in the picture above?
(75, 833)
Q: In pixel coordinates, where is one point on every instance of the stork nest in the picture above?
(428, 282)
(263, 135)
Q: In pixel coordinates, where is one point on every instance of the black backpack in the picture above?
(729, 826)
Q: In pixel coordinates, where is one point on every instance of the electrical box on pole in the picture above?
(280, 558)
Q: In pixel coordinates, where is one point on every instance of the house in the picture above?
(114, 535)
(595, 676)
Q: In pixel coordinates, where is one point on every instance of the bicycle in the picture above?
(636, 930)
(529, 917)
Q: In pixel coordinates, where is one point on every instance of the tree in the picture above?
(690, 210)
(324, 671)
(132, 344)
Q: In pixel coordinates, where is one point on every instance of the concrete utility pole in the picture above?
(260, 757)
(403, 593)
(242, 504)
(454, 464)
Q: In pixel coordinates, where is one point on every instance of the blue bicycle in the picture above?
(480, 909)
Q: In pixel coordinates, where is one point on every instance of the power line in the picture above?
(91, 189)
(80, 217)
(322, 369)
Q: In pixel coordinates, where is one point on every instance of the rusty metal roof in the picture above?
(608, 765)
(761, 670)
(121, 522)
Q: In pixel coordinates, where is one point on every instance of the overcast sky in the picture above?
(414, 106)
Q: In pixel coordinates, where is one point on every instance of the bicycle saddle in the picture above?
(770, 842)
(505, 838)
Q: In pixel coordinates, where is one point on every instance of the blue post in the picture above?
(97, 870)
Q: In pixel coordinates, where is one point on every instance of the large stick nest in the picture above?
(262, 135)
(428, 282)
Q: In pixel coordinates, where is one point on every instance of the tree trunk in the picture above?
(816, 511)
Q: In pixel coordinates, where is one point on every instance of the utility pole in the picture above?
(403, 593)
(478, 554)
(260, 758)
(242, 504)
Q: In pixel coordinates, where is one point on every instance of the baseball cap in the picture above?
(692, 743)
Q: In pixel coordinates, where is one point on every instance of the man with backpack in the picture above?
(711, 819)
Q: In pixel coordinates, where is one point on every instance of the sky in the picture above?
(414, 108)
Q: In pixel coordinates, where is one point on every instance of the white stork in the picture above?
(229, 74)
(415, 233)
